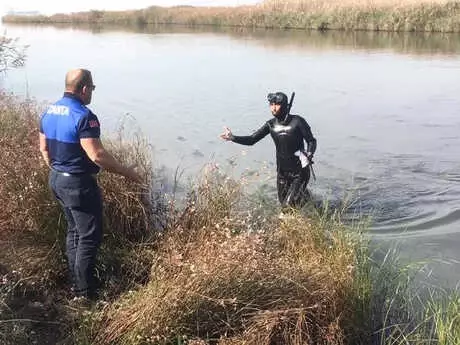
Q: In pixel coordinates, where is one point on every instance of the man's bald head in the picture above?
(76, 79)
(80, 83)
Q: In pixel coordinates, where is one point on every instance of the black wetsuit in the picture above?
(289, 135)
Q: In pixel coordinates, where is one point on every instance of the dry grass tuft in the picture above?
(24, 196)
(220, 284)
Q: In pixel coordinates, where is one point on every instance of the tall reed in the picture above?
(381, 15)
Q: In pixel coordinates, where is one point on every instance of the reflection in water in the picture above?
(402, 42)
(423, 43)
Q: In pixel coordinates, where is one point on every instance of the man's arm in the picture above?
(100, 156)
(249, 139)
(44, 148)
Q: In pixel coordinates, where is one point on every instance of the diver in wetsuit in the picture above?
(289, 133)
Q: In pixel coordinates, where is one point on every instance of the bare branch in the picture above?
(12, 55)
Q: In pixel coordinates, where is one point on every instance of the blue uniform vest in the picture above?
(64, 123)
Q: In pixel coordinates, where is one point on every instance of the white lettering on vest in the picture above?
(58, 110)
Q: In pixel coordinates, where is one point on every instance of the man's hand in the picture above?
(99, 155)
(132, 174)
(227, 134)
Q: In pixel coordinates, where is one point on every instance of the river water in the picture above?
(385, 109)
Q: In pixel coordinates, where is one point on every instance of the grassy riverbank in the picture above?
(215, 267)
(379, 15)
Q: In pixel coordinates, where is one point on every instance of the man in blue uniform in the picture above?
(70, 144)
(292, 159)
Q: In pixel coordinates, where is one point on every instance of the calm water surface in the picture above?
(385, 109)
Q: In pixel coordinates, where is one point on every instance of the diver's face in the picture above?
(275, 109)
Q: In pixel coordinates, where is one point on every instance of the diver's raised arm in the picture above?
(247, 139)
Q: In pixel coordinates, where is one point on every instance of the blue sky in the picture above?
(53, 6)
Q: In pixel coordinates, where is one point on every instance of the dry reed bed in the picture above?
(333, 5)
(215, 282)
(383, 15)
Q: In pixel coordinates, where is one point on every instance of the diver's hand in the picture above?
(309, 156)
(227, 134)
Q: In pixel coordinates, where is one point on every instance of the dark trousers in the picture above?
(80, 198)
(292, 188)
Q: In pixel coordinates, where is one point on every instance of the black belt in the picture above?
(73, 174)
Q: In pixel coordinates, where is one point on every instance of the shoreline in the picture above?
(425, 17)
